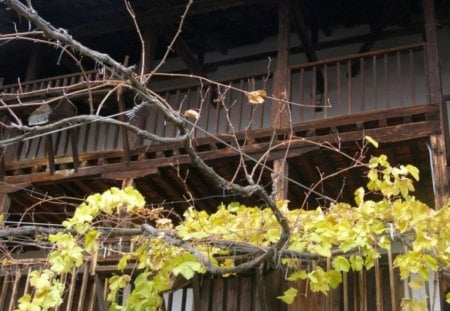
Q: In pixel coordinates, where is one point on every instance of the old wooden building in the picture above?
(345, 69)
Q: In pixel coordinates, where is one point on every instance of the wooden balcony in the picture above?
(386, 99)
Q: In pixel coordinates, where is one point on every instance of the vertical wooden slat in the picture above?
(345, 291)
(363, 84)
(125, 142)
(391, 281)
(302, 96)
(325, 90)
(349, 86)
(386, 81)
(50, 153)
(5, 289)
(413, 77)
(71, 291)
(183, 299)
(82, 291)
(374, 81)
(399, 78)
(261, 291)
(313, 91)
(196, 293)
(14, 289)
(338, 81)
(74, 144)
(101, 304)
(378, 289)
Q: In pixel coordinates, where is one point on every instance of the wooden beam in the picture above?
(165, 14)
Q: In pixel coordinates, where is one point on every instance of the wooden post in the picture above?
(280, 109)
(438, 142)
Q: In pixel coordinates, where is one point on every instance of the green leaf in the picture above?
(289, 295)
(298, 275)
(340, 263)
(90, 241)
(334, 278)
(123, 262)
(357, 263)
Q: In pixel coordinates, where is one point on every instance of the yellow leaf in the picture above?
(256, 97)
(192, 114)
(416, 284)
(289, 295)
(371, 141)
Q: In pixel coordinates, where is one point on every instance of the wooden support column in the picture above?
(438, 142)
(280, 109)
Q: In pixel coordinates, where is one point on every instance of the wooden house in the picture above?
(345, 68)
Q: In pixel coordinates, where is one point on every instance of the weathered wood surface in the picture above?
(408, 123)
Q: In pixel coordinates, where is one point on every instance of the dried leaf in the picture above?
(256, 97)
(192, 114)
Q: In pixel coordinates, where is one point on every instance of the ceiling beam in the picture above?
(157, 15)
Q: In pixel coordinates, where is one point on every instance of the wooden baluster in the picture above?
(12, 301)
(74, 144)
(82, 291)
(50, 153)
(392, 281)
(363, 87)
(302, 96)
(4, 289)
(325, 91)
(125, 142)
(386, 81)
(374, 81)
(70, 294)
(345, 291)
(413, 77)
(313, 91)
(399, 77)
(338, 81)
(349, 86)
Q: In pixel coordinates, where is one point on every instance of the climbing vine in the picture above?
(351, 238)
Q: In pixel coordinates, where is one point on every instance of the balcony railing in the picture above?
(383, 79)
